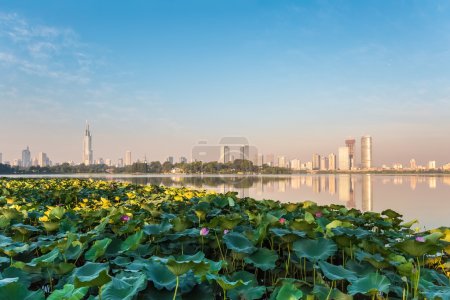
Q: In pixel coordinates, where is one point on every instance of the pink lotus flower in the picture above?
(226, 231)
(204, 231)
(125, 218)
(420, 239)
(318, 214)
(282, 220)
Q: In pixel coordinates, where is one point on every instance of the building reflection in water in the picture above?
(346, 189)
(367, 193)
(413, 182)
(332, 184)
(432, 182)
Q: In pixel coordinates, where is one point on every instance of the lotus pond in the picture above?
(86, 239)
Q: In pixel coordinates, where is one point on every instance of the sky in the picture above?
(293, 77)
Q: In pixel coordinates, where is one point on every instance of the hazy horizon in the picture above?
(155, 77)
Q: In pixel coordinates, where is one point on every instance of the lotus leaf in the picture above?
(314, 250)
(91, 274)
(239, 243)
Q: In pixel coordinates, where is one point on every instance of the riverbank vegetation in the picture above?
(74, 239)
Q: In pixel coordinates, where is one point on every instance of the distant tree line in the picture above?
(239, 166)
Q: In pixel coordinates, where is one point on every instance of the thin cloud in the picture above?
(42, 50)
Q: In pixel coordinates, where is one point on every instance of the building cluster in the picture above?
(27, 161)
(230, 149)
(345, 159)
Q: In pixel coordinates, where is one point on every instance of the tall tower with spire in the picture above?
(88, 155)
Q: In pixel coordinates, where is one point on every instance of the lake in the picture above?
(422, 197)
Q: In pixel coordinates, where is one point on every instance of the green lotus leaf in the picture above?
(391, 214)
(24, 229)
(359, 233)
(437, 292)
(263, 259)
(417, 249)
(91, 274)
(370, 284)
(334, 272)
(57, 212)
(51, 226)
(132, 242)
(15, 248)
(98, 249)
(250, 291)
(17, 291)
(14, 272)
(309, 218)
(160, 275)
(326, 293)
(225, 283)
(5, 241)
(314, 250)
(125, 288)
(45, 259)
(155, 229)
(360, 268)
(288, 291)
(239, 243)
(179, 268)
(199, 292)
(6, 281)
(68, 292)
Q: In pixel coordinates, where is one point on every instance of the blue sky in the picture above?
(294, 77)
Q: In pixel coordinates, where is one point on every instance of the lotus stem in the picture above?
(176, 289)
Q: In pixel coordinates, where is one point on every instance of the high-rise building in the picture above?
(245, 152)
(332, 161)
(128, 161)
(366, 152)
(108, 162)
(225, 154)
(412, 164)
(120, 163)
(350, 143)
(323, 163)
(1, 158)
(26, 158)
(88, 155)
(43, 160)
(316, 161)
(183, 160)
(170, 159)
(295, 164)
(344, 158)
(432, 164)
(282, 161)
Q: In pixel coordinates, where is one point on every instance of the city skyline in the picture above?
(292, 77)
(232, 148)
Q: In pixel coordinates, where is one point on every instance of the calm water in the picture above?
(426, 198)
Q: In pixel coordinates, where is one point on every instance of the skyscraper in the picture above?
(43, 160)
(88, 155)
(316, 162)
(26, 158)
(332, 161)
(128, 161)
(350, 143)
(1, 158)
(224, 154)
(344, 158)
(366, 152)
